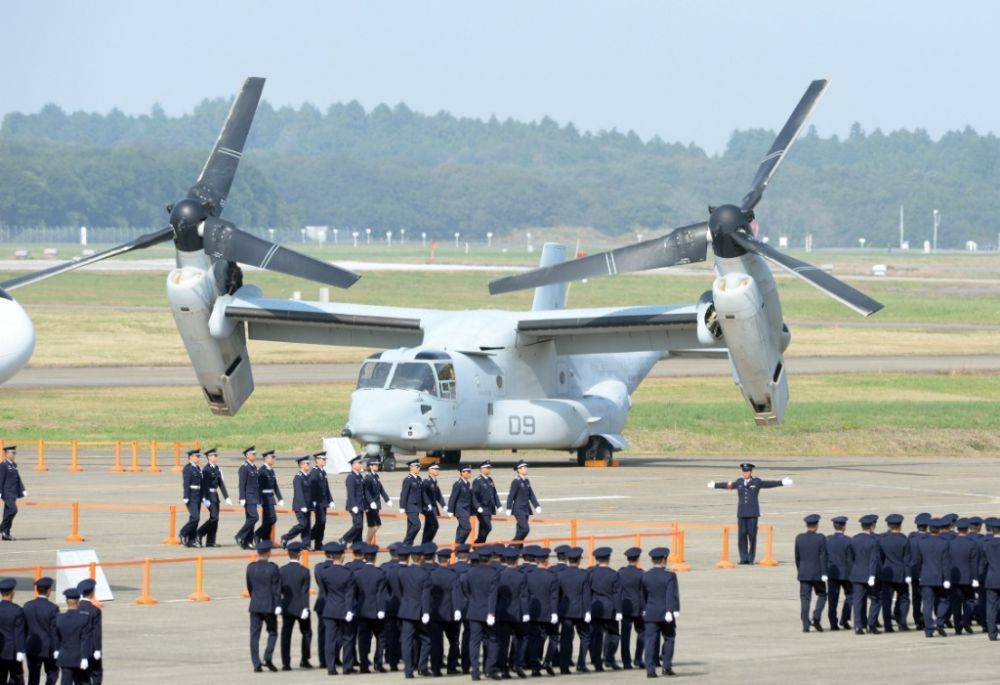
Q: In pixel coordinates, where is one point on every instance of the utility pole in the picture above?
(901, 227)
(937, 222)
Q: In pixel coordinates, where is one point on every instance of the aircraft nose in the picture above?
(381, 415)
(17, 337)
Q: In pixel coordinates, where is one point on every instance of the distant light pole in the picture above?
(489, 239)
(270, 234)
(354, 234)
(423, 239)
(368, 236)
(901, 237)
(402, 236)
(388, 238)
(638, 237)
(303, 235)
(529, 241)
(335, 232)
(937, 222)
(457, 234)
(862, 241)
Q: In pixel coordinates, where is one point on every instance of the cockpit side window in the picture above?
(414, 376)
(446, 380)
(373, 375)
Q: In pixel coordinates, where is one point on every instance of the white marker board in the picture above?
(339, 452)
(70, 577)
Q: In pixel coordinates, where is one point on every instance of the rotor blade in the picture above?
(224, 241)
(833, 287)
(216, 178)
(783, 143)
(682, 245)
(143, 241)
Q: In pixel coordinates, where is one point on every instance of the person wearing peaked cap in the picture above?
(357, 555)
(431, 502)
(354, 483)
(934, 564)
(896, 564)
(921, 520)
(339, 590)
(447, 603)
(574, 610)
(249, 489)
(95, 671)
(512, 616)
(865, 562)
(322, 499)
(73, 640)
(521, 501)
(605, 611)
(460, 504)
(40, 619)
(811, 565)
(295, 582)
(11, 489)
(479, 589)
(372, 604)
(375, 495)
(301, 503)
(964, 553)
(991, 576)
(213, 492)
(485, 501)
(541, 643)
(270, 497)
(411, 585)
(411, 501)
(631, 579)
(975, 532)
(747, 491)
(661, 608)
(191, 494)
(13, 634)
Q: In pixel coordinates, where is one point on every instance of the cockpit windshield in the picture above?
(373, 375)
(414, 376)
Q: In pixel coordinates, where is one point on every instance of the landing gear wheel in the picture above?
(388, 460)
(596, 449)
(451, 457)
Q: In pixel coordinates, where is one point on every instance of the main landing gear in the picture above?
(596, 449)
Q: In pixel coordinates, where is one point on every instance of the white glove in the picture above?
(554, 619)
(824, 578)
(525, 618)
(711, 485)
(479, 510)
(430, 508)
(786, 481)
(55, 654)
(97, 654)
(19, 656)
(975, 583)
(586, 617)
(538, 510)
(458, 615)
(508, 512)
(947, 585)
(24, 493)
(618, 617)
(373, 506)
(668, 617)
(354, 510)
(277, 611)
(490, 619)
(425, 619)
(349, 616)
(871, 581)
(331, 505)
(243, 502)
(305, 614)
(304, 510)
(389, 503)
(909, 580)
(448, 514)
(84, 664)
(676, 614)
(281, 502)
(229, 501)
(380, 615)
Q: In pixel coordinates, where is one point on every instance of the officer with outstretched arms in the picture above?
(811, 565)
(213, 492)
(460, 504)
(11, 489)
(249, 490)
(521, 501)
(74, 640)
(191, 493)
(301, 503)
(295, 584)
(270, 497)
(411, 501)
(485, 500)
(40, 618)
(748, 508)
(375, 495)
(661, 607)
(264, 586)
(322, 499)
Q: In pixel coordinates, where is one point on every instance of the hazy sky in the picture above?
(688, 71)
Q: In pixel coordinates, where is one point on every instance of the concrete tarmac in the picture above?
(739, 625)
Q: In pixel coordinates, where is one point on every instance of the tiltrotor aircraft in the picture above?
(447, 381)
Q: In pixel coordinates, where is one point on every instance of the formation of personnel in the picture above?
(947, 571)
(494, 611)
(39, 637)
(11, 489)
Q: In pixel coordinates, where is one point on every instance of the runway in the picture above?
(159, 376)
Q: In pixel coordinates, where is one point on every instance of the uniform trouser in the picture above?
(368, 628)
(507, 631)
(806, 588)
(522, 529)
(268, 517)
(901, 610)
(250, 519)
(301, 527)
(210, 527)
(746, 535)
(11, 672)
(963, 605)
(35, 664)
(935, 606)
(335, 630)
(9, 512)
(582, 629)
(992, 608)
(481, 634)
(668, 631)
(604, 639)
(288, 624)
(95, 671)
(916, 601)
(189, 529)
(318, 529)
(412, 528)
(833, 588)
(628, 623)
(357, 528)
(439, 630)
(320, 631)
(431, 526)
(485, 527)
(391, 636)
(416, 643)
(271, 622)
(71, 676)
(859, 594)
(980, 610)
(463, 530)
(543, 645)
(349, 639)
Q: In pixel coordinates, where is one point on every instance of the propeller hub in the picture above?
(722, 223)
(185, 216)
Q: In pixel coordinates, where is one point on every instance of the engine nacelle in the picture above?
(755, 344)
(221, 363)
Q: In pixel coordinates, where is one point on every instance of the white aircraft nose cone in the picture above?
(17, 338)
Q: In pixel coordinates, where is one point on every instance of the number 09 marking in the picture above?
(521, 425)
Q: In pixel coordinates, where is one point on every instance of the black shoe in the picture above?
(904, 628)
(805, 629)
(424, 673)
(993, 638)
(948, 623)
(505, 676)
(394, 668)
(548, 669)
(286, 667)
(381, 669)
(582, 669)
(940, 631)
(565, 671)
(270, 666)
(668, 671)
(520, 673)
(475, 677)
(453, 671)
(859, 631)
(213, 544)
(889, 629)
(258, 669)
(614, 667)
(333, 671)
(494, 676)
(305, 664)
(874, 631)
(651, 675)
(834, 626)
(536, 673)
(846, 625)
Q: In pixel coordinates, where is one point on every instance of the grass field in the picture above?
(885, 415)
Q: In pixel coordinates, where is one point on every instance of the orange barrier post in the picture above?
(118, 468)
(672, 559)
(172, 538)
(638, 539)
(74, 453)
(769, 559)
(199, 581)
(92, 570)
(573, 525)
(724, 561)
(680, 565)
(40, 466)
(38, 572)
(153, 468)
(74, 535)
(590, 548)
(134, 468)
(146, 597)
(177, 458)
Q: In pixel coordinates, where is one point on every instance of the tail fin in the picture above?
(551, 296)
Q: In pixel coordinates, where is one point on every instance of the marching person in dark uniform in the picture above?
(357, 556)
(461, 566)
(74, 644)
(460, 504)
(560, 564)
(95, 672)
(322, 499)
(391, 632)
(339, 595)
(375, 495)
(213, 491)
(631, 578)
(606, 611)
(320, 604)
(479, 587)
(865, 562)
(574, 610)
(249, 480)
(521, 501)
(812, 564)
(975, 532)
(895, 548)
(411, 501)
(447, 601)
(270, 497)
(991, 577)
(934, 566)
(372, 595)
(543, 610)
(11, 489)
(965, 563)
(40, 619)
(13, 635)
(432, 499)
(264, 586)
(295, 584)
(412, 584)
(916, 596)
(355, 484)
(661, 605)
(301, 504)
(748, 508)
(511, 616)
(191, 494)
(485, 500)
